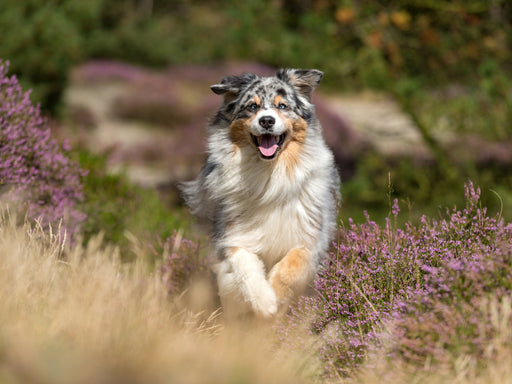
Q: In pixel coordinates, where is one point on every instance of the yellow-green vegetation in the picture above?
(115, 207)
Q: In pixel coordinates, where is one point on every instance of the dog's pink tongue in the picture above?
(268, 145)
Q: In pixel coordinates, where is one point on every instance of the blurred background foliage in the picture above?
(447, 63)
(357, 43)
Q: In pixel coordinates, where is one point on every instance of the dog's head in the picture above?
(268, 113)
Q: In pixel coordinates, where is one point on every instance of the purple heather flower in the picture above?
(425, 283)
(181, 263)
(395, 209)
(34, 171)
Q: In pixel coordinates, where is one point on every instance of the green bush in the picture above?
(115, 207)
(44, 39)
(422, 188)
(41, 42)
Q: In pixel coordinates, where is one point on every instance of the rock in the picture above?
(384, 126)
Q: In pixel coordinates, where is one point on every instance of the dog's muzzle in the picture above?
(268, 134)
(268, 145)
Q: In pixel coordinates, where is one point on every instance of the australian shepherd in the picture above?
(270, 187)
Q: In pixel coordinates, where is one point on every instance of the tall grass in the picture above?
(79, 315)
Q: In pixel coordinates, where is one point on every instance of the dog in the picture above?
(270, 188)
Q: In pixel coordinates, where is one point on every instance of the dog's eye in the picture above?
(252, 107)
(282, 106)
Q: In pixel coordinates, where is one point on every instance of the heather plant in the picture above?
(181, 261)
(471, 263)
(35, 172)
(362, 278)
(423, 285)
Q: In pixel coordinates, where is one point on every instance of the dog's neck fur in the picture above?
(251, 191)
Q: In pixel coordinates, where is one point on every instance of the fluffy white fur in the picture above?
(243, 285)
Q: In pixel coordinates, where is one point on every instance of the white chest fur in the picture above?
(270, 211)
(272, 231)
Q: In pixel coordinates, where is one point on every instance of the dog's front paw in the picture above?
(264, 300)
(290, 276)
(243, 285)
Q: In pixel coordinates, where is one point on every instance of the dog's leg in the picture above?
(243, 286)
(291, 275)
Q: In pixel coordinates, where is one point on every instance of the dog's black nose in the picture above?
(267, 122)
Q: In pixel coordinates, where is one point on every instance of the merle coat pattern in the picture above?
(270, 188)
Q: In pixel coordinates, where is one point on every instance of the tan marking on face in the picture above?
(299, 129)
(239, 131)
(292, 274)
(232, 250)
(278, 100)
(290, 156)
(291, 149)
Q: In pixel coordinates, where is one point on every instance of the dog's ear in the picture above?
(231, 86)
(303, 80)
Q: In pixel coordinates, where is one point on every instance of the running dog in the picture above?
(269, 187)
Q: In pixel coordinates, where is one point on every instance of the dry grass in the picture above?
(81, 316)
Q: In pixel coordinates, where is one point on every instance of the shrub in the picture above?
(43, 48)
(443, 317)
(425, 284)
(362, 278)
(115, 206)
(34, 169)
(182, 261)
(53, 36)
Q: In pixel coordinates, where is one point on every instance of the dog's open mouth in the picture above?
(268, 145)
